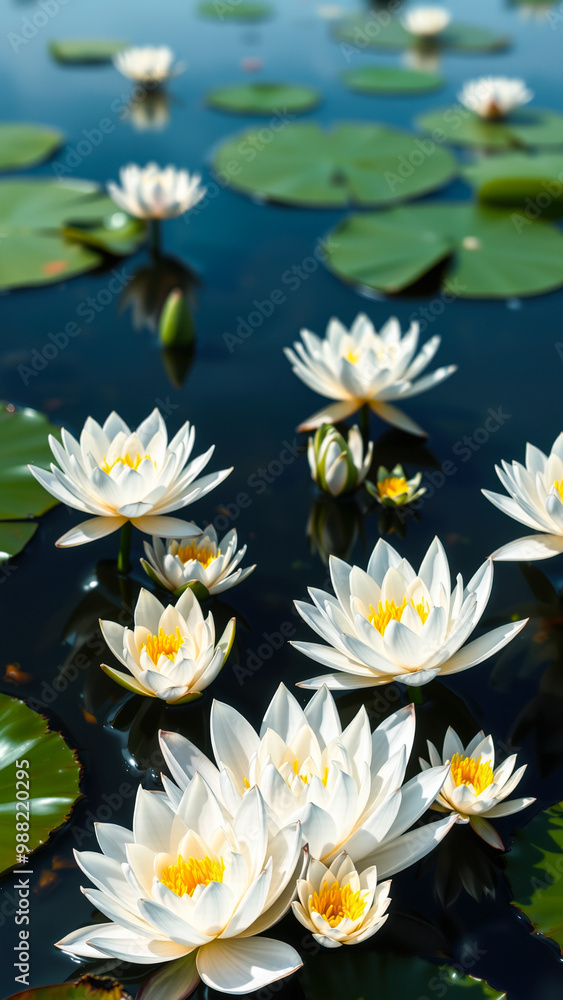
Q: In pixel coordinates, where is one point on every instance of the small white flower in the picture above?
(340, 906)
(359, 366)
(536, 500)
(121, 475)
(153, 192)
(473, 788)
(426, 22)
(338, 466)
(393, 489)
(171, 652)
(149, 64)
(494, 96)
(176, 565)
(392, 624)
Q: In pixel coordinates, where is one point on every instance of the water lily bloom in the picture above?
(473, 789)
(148, 64)
(201, 563)
(494, 96)
(393, 489)
(343, 786)
(195, 886)
(536, 500)
(340, 906)
(153, 192)
(171, 652)
(359, 366)
(392, 624)
(426, 22)
(338, 466)
(120, 475)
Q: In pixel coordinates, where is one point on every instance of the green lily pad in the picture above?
(375, 31)
(24, 145)
(263, 98)
(351, 164)
(489, 253)
(52, 775)
(36, 218)
(524, 128)
(85, 51)
(534, 867)
(391, 80)
(533, 182)
(14, 537)
(230, 10)
(87, 988)
(345, 976)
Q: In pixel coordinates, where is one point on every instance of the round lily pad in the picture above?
(38, 216)
(487, 252)
(352, 163)
(534, 182)
(263, 98)
(24, 145)
(379, 30)
(230, 10)
(391, 80)
(52, 778)
(85, 51)
(523, 128)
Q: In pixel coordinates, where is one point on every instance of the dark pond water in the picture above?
(248, 402)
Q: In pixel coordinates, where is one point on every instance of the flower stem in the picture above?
(415, 695)
(123, 563)
(364, 422)
(154, 236)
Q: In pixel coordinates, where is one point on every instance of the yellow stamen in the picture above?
(394, 612)
(559, 487)
(163, 644)
(468, 771)
(307, 777)
(133, 462)
(353, 356)
(338, 902)
(203, 555)
(392, 487)
(185, 876)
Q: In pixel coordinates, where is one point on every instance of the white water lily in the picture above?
(474, 790)
(344, 787)
(392, 624)
(200, 563)
(426, 22)
(494, 97)
(193, 885)
(340, 906)
(120, 475)
(171, 652)
(359, 366)
(338, 466)
(154, 192)
(536, 500)
(148, 64)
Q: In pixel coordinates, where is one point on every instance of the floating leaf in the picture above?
(533, 182)
(526, 127)
(230, 10)
(14, 537)
(53, 777)
(352, 163)
(86, 50)
(87, 988)
(534, 870)
(36, 215)
(25, 145)
(489, 253)
(263, 98)
(381, 31)
(391, 80)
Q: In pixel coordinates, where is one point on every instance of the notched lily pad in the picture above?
(353, 163)
(534, 183)
(85, 51)
(527, 127)
(23, 145)
(485, 251)
(391, 80)
(52, 775)
(86, 988)
(379, 30)
(263, 98)
(534, 867)
(231, 10)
